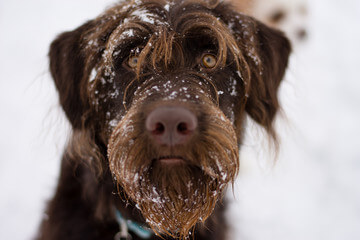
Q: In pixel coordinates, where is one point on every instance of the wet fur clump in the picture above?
(113, 71)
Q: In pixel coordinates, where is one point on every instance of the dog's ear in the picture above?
(273, 49)
(265, 53)
(67, 69)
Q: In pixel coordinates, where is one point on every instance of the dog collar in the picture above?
(126, 225)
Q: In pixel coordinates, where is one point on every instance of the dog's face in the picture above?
(163, 88)
(289, 16)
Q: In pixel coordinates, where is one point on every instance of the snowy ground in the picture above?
(312, 193)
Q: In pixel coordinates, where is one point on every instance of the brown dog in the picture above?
(156, 93)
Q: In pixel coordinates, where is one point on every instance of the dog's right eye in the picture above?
(133, 61)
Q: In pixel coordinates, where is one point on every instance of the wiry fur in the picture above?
(107, 103)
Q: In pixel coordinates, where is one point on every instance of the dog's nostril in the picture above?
(159, 129)
(182, 128)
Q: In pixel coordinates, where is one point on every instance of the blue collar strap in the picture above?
(128, 225)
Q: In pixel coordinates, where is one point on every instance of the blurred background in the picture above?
(312, 191)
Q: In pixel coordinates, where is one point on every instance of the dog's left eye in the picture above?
(133, 61)
(277, 16)
(209, 61)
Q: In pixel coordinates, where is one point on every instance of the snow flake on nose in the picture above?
(173, 95)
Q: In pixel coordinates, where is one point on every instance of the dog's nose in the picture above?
(301, 34)
(171, 125)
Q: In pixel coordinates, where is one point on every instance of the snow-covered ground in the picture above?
(313, 191)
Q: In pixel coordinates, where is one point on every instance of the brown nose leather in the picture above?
(170, 125)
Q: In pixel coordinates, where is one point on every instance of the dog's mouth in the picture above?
(170, 160)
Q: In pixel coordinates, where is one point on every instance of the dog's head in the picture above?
(158, 92)
(289, 16)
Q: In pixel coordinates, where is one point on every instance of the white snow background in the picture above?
(313, 191)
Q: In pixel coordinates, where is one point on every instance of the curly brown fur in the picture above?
(108, 101)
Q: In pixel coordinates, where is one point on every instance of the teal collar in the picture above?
(129, 225)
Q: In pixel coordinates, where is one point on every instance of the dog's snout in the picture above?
(171, 126)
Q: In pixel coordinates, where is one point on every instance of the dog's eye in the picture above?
(133, 61)
(209, 61)
(277, 16)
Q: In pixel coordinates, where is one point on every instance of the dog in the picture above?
(157, 93)
(290, 16)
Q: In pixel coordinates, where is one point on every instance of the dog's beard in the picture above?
(173, 198)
